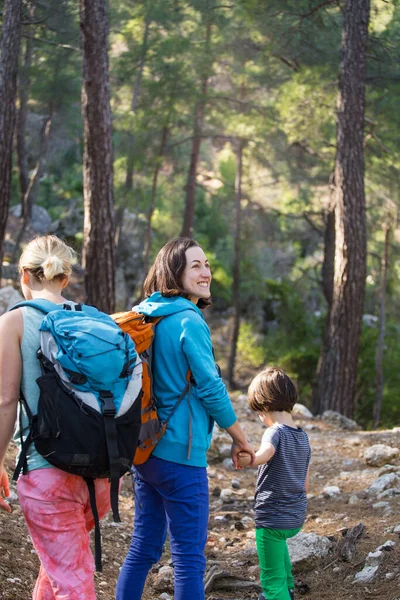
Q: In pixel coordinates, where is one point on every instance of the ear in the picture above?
(25, 277)
(65, 282)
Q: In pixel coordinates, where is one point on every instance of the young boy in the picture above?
(282, 480)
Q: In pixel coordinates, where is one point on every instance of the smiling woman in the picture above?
(171, 488)
(196, 278)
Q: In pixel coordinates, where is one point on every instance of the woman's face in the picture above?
(196, 277)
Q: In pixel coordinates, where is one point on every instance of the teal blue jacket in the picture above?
(182, 342)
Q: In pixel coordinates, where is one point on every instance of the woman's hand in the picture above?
(4, 490)
(237, 449)
(239, 444)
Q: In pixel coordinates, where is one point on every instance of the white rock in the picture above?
(299, 410)
(381, 505)
(384, 482)
(374, 559)
(226, 495)
(396, 529)
(339, 420)
(304, 546)
(366, 575)
(388, 544)
(331, 490)
(389, 493)
(379, 454)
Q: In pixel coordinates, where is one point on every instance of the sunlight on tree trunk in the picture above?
(337, 378)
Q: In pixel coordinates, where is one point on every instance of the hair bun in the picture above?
(52, 266)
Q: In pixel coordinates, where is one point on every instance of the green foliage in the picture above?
(272, 72)
(250, 347)
(366, 381)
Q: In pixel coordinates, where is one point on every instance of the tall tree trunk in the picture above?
(328, 268)
(147, 238)
(337, 378)
(98, 255)
(190, 199)
(23, 91)
(381, 334)
(135, 98)
(236, 267)
(9, 49)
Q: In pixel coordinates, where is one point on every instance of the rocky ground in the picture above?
(326, 566)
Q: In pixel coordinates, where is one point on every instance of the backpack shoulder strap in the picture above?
(45, 306)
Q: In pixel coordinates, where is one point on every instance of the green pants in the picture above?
(276, 570)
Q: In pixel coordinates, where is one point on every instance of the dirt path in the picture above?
(336, 460)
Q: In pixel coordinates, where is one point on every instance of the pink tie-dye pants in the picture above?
(58, 515)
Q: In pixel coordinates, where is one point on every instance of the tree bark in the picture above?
(23, 91)
(147, 238)
(98, 255)
(381, 334)
(190, 199)
(135, 98)
(236, 267)
(337, 378)
(9, 49)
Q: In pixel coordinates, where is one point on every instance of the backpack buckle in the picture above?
(108, 403)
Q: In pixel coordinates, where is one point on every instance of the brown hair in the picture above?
(47, 258)
(165, 275)
(272, 390)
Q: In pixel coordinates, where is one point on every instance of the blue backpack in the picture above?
(89, 409)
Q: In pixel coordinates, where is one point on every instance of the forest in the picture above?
(267, 131)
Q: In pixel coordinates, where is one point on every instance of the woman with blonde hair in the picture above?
(55, 504)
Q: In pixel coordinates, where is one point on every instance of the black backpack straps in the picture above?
(22, 464)
(113, 450)
(97, 537)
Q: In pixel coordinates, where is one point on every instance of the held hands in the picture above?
(242, 449)
(4, 491)
(244, 459)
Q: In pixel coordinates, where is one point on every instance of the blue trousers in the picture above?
(172, 498)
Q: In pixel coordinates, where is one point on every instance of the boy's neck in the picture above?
(281, 417)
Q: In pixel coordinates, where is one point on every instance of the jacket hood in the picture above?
(160, 306)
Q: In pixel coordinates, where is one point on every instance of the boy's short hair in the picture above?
(272, 390)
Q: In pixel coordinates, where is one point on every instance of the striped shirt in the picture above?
(280, 498)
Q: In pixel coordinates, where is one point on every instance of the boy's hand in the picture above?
(244, 459)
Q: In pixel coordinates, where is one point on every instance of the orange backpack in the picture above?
(141, 329)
